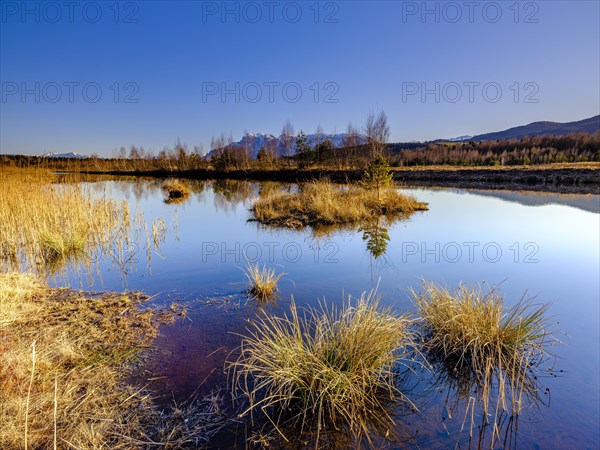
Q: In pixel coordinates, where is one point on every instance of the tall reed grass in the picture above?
(262, 282)
(44, 224)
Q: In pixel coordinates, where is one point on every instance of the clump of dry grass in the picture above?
(64, 359)
(262, 282)
(323, 203)
(42, 222)
(484, 346)
(176, 191)
(45, 225)
(328, 369)
(56, 246)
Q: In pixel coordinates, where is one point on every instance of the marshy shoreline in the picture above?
(568, 180)
(65, 365)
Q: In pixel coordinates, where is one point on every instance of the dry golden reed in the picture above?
(48, 224)
(43, 222)
(262, 282)
(486, 351)
(64, 362)
(329, 369)
(323, 203)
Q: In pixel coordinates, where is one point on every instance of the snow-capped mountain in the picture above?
(253, 142)
(72, 155)
(461, 138)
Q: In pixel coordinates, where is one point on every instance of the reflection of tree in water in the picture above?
(230, 193)
(140, 188)
(198, 186)
(376, 236)
(143, 188)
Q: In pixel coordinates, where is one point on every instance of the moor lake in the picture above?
(531, 244)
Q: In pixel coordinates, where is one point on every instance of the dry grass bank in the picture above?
(323, 203)
(455, 168)
(64, 357)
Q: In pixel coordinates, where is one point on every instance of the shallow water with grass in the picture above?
(538, 245)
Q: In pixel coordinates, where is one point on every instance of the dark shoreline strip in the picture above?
(574, 181)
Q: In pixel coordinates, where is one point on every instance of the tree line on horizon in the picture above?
(357, 151)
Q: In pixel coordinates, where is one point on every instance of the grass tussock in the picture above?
(329, 369)
(59, 245)
(323, 203)
(484, 346)
(176, 191)
(262, 282)
(64, 360)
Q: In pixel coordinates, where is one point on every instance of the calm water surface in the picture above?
(544, 245)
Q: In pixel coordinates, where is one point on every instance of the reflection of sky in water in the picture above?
(561, 242)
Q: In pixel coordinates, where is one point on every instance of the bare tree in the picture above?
(199, 150)
(247, 146)
(378, 133)
(352, 136)
(219, 142)
(271, 150)
(181, 154)
(134, 152)
(319, 135)
(217, 146)
(287, 140)
(350, 143)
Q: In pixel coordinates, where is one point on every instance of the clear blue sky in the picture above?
(172, 56)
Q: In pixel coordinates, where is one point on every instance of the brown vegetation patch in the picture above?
(63, 363)
(323, 203)
(176, 192)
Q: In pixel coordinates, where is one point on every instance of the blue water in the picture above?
(543, 245)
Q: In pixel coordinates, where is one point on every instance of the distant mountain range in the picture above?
(461, 138)
(72, 155)
(590, 125)
(255, 141)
